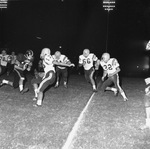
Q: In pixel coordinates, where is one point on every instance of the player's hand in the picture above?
(72, 65)
(103, 78)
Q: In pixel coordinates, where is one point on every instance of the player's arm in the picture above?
(80, 63)
(63, 64)
(19, 66)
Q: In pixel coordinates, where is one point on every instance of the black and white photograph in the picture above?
(74, 74)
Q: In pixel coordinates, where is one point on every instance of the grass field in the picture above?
(109, 123)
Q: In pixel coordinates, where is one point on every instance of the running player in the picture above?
(87, 60)
(147, 104)
(61, 70)
(110, 75)
(23, 62)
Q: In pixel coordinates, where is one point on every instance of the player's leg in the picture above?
(58, 73)
(91, 75)
(86, 75)
(106, 85)
(3, 70)
(21, 81)
(117, 85)
(65, 76)
(48, 80)
(148, 117)
(35, 82)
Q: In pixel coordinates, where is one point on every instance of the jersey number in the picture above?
(86, 61)
(108, 67)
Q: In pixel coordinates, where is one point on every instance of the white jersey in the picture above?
(3, 60)
(111, 66)
(48, 64)
(63, 59)
(87, 62)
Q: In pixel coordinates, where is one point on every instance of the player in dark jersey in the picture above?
(23, 62)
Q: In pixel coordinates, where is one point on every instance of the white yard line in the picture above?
(71, 137)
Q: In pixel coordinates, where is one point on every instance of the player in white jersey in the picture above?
(147, 104)
(110, 71)
(48, 78)
(87, 60)
(3, 62)
(61, 70)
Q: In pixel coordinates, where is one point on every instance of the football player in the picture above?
(147, 104)
(43, 80)
(40, 83)
(3, 61)
(88, 61)
(61, 70)
(110, 75)
(23, 62)
(11, 62)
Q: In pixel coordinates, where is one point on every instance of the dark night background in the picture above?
(79, 24)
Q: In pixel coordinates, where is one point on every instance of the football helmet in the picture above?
(86, 52)
(57, 54)
(105, 57)
(4, 52)
(45, 51)
(29, 54)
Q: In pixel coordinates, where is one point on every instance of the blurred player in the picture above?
(23, 62)
(87, 60)
(11, 62)
(147, 104)
(61, 70)
(41, 82)
(3, 62)
(110, 75)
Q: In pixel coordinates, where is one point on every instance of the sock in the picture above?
(94, 87)
(65, 83)
(123, 95)
(39, 102)
(148, 122)
(20, 87)
(36, 92)
(5, 81)
(113, 89)
(148, 112)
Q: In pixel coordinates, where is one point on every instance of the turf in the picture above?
(109, 122)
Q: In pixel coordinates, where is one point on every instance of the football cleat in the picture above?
(35, 98)
(95, 90)
(65, 85)
(116, 93)
(125, 99)
(24, 91)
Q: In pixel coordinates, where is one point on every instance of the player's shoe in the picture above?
(94, 90)
(24, 91)
(56, 85)
(116, 93)
(145, 127)
(35, 99)
(65, 85)
(1, 83)
(38, 103)
(125, 99)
